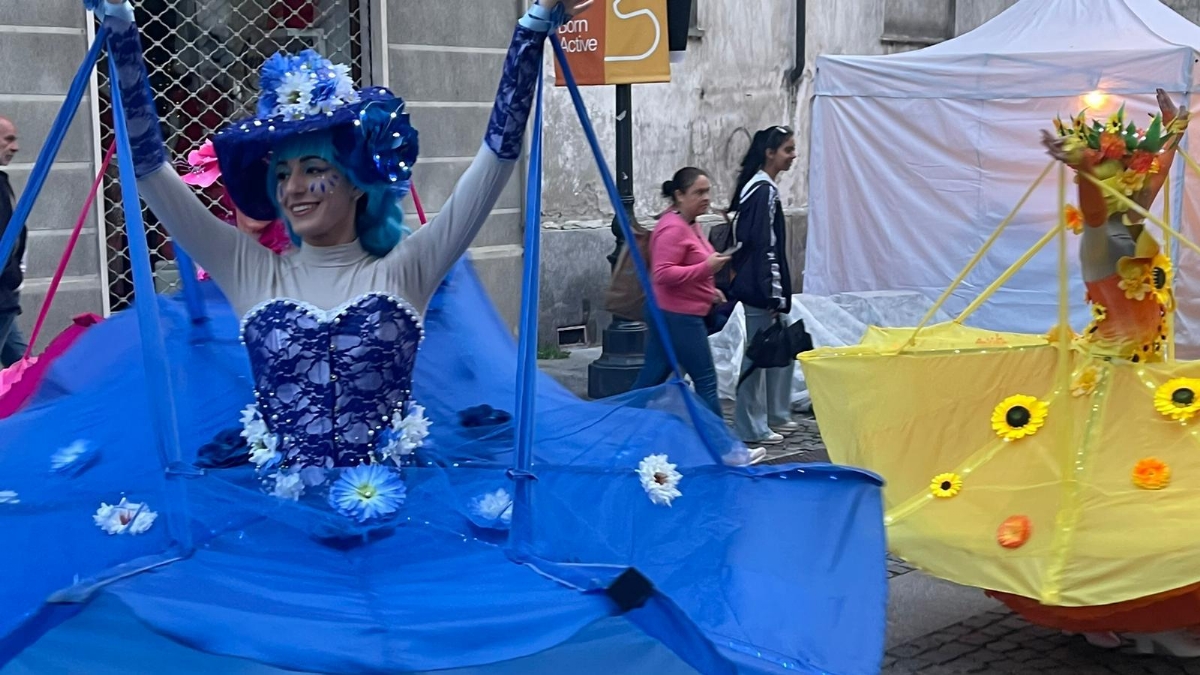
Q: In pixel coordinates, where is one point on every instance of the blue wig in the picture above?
(379, 220)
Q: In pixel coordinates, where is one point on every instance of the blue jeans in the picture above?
(12, 342)
(689, 337)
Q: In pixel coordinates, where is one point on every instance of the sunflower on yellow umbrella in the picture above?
(1178, 398)
(1019, 416)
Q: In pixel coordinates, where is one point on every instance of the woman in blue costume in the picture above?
(347, 536)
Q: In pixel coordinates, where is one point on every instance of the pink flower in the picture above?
(205, 170)
(275, 237)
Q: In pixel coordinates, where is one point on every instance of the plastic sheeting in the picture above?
(736, 584)
(917, 157)
(837, 321)
(1092, 534)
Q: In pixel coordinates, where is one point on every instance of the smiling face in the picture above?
(317, 200)
(782, 157)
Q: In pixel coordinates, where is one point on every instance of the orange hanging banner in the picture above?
(617, 42)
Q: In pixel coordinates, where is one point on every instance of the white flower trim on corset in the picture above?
(263, 445)
(331, 315)
(408, 432)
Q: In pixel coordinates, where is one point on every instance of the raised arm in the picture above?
(230, 257)
(423, 259)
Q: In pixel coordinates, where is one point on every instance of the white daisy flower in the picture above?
(249, 414)
(264, 451)
(9, 497)
(408, 433)
(414, 428)
(73, 458)
(344, 89)
(494, 506)
(125, 517)
(288, 486)
(264, 445)
(659, 479)
(253, 426)
(294, 92)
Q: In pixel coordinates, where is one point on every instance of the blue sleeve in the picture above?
(145, 134)
(514, 99)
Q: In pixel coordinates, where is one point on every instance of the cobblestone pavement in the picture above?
(999, 642)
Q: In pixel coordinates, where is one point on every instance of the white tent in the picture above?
(917, 157)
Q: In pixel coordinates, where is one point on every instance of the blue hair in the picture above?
(378, 221)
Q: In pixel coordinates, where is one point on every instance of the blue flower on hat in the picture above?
(295, 87)
(389, 143)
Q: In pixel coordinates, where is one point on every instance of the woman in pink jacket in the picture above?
(682, 264)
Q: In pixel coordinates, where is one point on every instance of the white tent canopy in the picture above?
(917, 157)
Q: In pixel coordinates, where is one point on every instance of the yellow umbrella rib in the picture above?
(1071, 508)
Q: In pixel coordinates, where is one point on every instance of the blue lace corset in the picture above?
(328, 383)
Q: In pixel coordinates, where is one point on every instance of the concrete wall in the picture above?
(42, 44)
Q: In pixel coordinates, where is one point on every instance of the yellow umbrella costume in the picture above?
(1061, 472)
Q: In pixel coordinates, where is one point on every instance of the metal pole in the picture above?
(624, 162)
(624, 340)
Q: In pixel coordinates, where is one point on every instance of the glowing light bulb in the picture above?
(1095, 99)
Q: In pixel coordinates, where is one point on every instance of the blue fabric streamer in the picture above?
(154, 351)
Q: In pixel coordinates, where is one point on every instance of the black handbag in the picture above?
(777, 345)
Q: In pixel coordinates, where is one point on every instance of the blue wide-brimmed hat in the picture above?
(306, 93)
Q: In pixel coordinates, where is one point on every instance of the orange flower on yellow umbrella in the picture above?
(1112, 146)
(1141, 161)
(1073, 218)
(1014, 532)
(1151, 474)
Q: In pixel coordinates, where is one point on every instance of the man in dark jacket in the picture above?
(12, 342)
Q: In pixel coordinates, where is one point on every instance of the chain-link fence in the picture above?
(203, 58)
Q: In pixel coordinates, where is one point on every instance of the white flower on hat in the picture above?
(295, 94)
